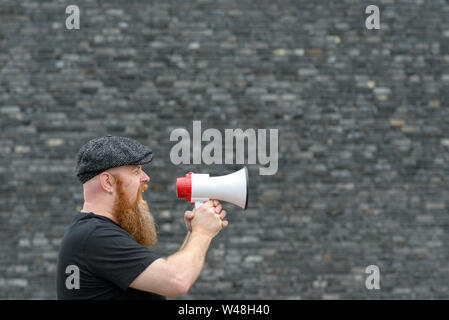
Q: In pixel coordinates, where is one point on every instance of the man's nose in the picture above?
(145, 177)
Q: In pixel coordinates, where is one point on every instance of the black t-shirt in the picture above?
(99, 260)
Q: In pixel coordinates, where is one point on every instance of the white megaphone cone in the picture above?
(199, 187)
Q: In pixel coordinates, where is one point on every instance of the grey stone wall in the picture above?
(363, 136)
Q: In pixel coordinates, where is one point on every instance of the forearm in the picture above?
(185, 240)
(189, 260)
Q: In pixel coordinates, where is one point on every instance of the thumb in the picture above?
(189, 215)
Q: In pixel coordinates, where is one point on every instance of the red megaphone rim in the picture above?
(184, 187)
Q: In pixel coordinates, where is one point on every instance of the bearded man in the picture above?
(105, 253)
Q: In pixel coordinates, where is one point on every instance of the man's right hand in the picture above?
(207, 219)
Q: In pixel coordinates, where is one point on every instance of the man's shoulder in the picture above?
(94, 234)
(86, 222)
(90, 225)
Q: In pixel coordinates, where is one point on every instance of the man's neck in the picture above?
(89, 207)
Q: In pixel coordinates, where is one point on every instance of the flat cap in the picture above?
(107, 152)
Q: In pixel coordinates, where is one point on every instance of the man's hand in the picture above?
(189, 215)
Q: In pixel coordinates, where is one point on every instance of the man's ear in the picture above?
(107, 181)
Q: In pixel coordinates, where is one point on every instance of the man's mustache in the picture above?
(142, 189)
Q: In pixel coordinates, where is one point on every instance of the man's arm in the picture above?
(185, 240)
(174, 275)
(190, 259)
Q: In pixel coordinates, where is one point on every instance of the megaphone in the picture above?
(199, 187)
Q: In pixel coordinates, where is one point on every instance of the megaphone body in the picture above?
(200, 187)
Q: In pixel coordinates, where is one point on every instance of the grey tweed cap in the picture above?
(107, 152)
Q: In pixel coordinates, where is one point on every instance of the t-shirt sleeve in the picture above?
(114, 255)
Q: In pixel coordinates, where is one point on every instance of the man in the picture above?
(105, 251)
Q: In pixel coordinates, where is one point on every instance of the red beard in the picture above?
(135, 217)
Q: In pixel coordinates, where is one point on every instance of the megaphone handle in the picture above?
(198, 204)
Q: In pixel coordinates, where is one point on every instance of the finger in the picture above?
(223, 214)
(218, 208)
(224, 224)
(189, 215)
(216, 203)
